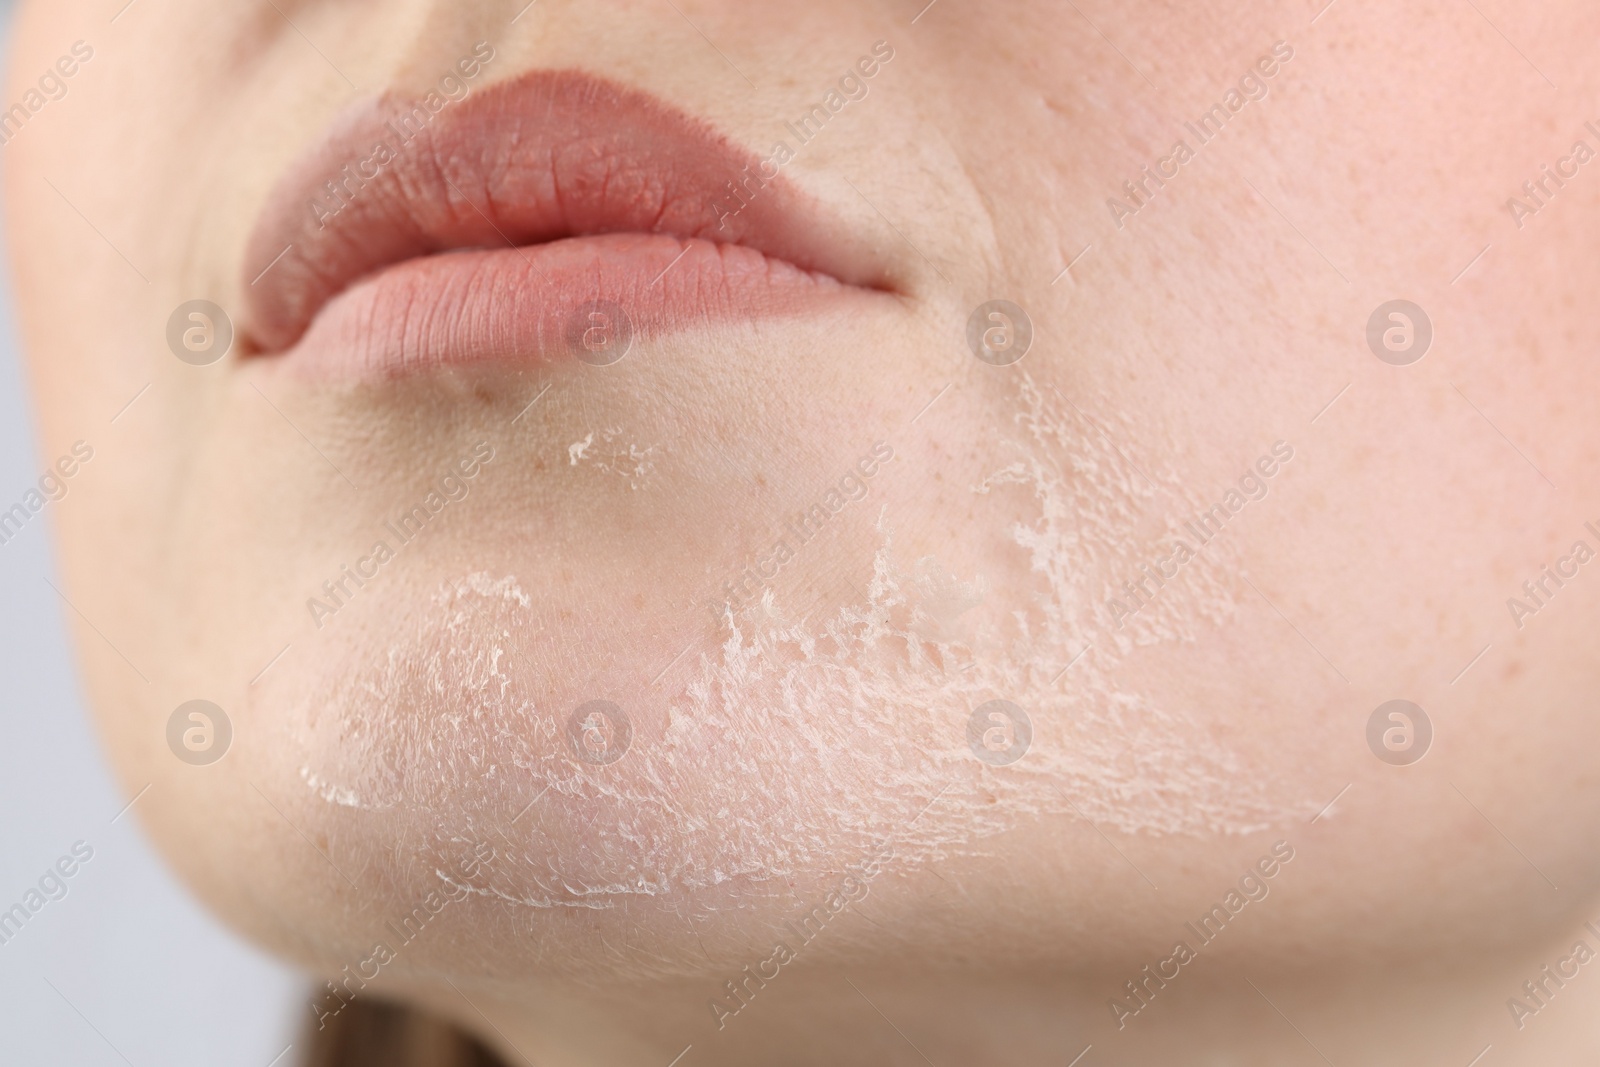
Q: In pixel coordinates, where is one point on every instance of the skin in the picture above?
(1224, 316)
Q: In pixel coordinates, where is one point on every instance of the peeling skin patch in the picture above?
(795, 747)
(629, 460)
(333, 794)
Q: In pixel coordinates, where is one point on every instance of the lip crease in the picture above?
(516, 212)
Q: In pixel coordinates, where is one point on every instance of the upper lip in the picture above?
(538, 158)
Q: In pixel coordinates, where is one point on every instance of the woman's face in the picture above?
(620, 505)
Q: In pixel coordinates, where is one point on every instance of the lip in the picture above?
(504, 225)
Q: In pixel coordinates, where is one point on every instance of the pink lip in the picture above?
(507, 219)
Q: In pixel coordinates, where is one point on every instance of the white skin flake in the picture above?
(627, 460)
(796, 746)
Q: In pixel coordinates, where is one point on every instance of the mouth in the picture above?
(554, 215)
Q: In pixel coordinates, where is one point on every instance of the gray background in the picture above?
(142, 976)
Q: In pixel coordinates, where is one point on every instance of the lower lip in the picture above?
(585, 299)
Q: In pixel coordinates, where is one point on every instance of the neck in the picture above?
(1536, 1008)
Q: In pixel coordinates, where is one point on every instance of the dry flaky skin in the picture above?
(797, 743)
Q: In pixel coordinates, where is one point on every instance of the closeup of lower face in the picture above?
(845, 533)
